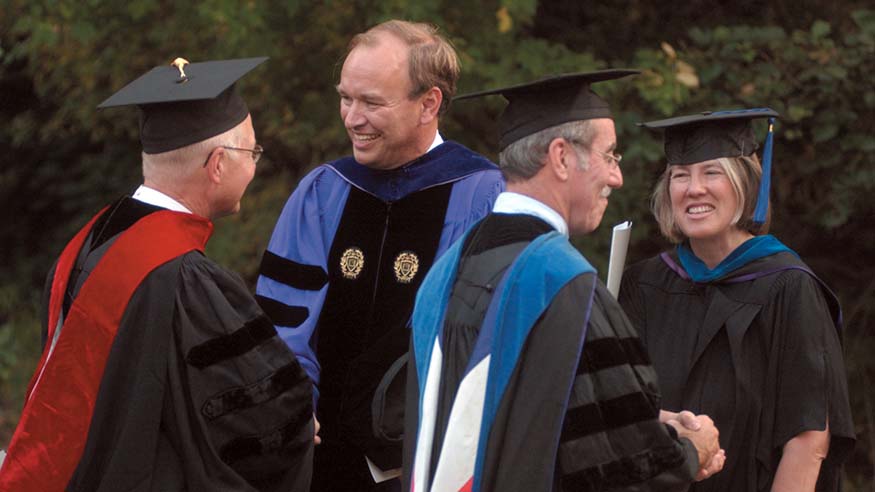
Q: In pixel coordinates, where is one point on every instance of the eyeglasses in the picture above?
(613, 157)
(256, 151)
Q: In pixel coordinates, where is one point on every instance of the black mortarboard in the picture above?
(550, 101)
(711, 135)
(181, 103)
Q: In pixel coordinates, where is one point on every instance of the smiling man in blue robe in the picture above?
(358, 234)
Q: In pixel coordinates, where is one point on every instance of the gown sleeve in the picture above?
(809, 382)
(293, 278)
(612, 438)
(237, 397)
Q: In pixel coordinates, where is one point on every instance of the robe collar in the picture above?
(753, 249)
(445, 163)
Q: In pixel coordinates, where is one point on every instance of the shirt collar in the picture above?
(155, 197)
(437, 141)
(509, 202)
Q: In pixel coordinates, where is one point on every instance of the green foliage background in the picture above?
(61, 159)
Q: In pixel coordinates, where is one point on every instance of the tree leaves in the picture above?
(64, 158)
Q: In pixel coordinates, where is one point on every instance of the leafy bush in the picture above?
(62, 159)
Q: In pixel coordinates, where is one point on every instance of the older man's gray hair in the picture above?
(523, 159)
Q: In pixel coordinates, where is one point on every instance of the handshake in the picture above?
(700, 430)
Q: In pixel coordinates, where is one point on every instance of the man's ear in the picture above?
(559, 160)
(430, 102)
(215, 165)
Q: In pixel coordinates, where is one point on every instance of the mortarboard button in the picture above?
(180, 64)
(184, 103)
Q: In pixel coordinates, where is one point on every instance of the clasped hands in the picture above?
(700, 430)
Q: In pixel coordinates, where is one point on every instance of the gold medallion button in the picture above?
(351, 263)
(406, 266)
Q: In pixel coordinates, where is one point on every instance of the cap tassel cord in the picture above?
(762, 208)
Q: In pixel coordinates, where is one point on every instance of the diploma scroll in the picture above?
(619, 246)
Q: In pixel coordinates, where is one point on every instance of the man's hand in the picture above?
(687, 418)
(713, 467)
(316, 439)
(700, 430)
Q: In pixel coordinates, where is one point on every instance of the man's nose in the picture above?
(616, 180)
(354, 116)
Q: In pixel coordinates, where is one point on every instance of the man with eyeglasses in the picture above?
(358, 235)
(525, 374)
(256, 152)
(159, 370)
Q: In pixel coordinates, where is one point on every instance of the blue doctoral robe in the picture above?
(343, 265)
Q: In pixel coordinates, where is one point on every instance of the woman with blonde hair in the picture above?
(737, 326)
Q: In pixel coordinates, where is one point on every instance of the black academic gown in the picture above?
(762, 357)
(609, 437)
(198, 392)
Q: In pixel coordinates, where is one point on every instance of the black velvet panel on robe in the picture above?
(362, 327)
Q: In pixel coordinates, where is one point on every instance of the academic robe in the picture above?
(339, 277)
(163, 374)
(758, 349)
(577, 403)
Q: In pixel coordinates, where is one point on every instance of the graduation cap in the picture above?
(550, 101)
(184, 103)
(710, 135)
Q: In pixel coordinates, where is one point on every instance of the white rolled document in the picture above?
(619, 246)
